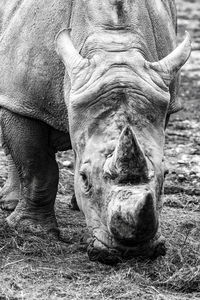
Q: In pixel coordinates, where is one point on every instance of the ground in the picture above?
(31, 268)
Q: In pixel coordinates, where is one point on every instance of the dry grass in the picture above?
(35, 268)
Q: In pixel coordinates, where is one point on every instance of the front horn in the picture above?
(128, 162)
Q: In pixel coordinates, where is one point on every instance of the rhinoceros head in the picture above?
(118, 104)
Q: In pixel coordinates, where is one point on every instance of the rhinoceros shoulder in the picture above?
(32, 73)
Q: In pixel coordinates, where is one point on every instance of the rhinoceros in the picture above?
(100, 77)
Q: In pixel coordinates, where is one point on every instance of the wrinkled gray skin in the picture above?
(2, 10)
(119, 93)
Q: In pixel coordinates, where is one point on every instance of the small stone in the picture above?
(67, 164)
(182, 162)
(192, 172)
(181, 175)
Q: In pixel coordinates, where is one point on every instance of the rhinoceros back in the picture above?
(31, 82)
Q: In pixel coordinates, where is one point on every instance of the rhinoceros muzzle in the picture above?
(98, 251)
(132, 227)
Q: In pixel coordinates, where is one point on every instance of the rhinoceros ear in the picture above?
(170, 65)
(66, 50)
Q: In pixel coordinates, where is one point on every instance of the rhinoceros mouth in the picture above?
(99, 251)
(129, 243)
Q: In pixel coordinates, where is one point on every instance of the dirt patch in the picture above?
(61, 269)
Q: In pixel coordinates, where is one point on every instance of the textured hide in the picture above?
(31, 82)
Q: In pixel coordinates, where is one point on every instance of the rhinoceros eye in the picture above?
(86, 182)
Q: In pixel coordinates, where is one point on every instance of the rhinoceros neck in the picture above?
(112, 13)
(124, 14)
(114, 41)
(149, 22)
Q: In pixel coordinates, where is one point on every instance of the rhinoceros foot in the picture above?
(98, 251)
(9, 202)
(9, 198)
(36, 223)
(10, 193)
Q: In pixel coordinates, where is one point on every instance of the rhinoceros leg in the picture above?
(29, 144)
(10, 193)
